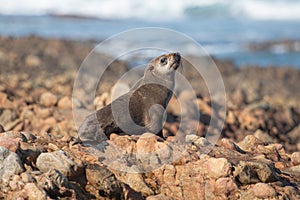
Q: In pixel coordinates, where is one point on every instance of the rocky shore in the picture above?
(257, 156)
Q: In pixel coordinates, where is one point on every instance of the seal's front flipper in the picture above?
(90, 131)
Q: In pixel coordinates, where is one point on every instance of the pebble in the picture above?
(53, 182)
(249, 143)
(29, 136)
(43, 112)
(9, 143)
(32, 61)
(218, 167)
(252, 172)
(295, 157)
(294, 169)
(146, 143)
(204, 107)
(10, 164)
(158, 197)
(65, 103)
(225, 186)
(7, 116)
(265, 137)
(263, 190)
(174, 107)
(48, 99)
(103, 179)
(3, 97)
(34, 192)
(58, 160)
(201, 142)
(26, 177)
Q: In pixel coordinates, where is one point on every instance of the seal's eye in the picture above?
(163, 60)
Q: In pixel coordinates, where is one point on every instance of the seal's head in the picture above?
(165, 64)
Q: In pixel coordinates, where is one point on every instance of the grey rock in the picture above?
(104, 180)
(10, 164)
(54, 183)
(59, 161)
(252, 172)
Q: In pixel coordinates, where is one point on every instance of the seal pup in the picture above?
(138, 111)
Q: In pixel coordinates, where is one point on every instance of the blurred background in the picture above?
(248, 32)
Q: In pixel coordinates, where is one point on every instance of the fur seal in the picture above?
(138, 111)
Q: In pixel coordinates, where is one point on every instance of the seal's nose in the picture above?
(177, 57)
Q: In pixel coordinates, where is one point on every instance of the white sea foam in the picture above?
(157, 9)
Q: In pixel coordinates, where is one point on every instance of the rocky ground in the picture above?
(257, 156)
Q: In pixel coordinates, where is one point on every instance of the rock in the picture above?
(16, 124)
(188, 105)
(151, 152)
(263, 190)
(3, 97)
(263, 136)
(29, 136)
(7, 116)
(29, 152)
(65, 103)
(196, 140)
(295, 157)
(174, 107)
(1, 129)
(54, 183)
(101, 101)
(10, 164)
(34, 192)
(43, 113)
(136, 182)
(252, 172)
(26, 177)
(291, 192)
(159, 197)
(146, 143)
(9, 143)
(48, 99)
(27, 113)
(249, 143)
(204, 107)
(32, 61)
(225, 187)
(104, 180)
(218, 167)
(59, 161)
(293, 170)
(231, 118)
(190, 138)
(16, 183)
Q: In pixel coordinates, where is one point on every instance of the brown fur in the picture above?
(145, 103)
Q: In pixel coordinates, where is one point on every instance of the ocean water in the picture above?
(223, 28)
